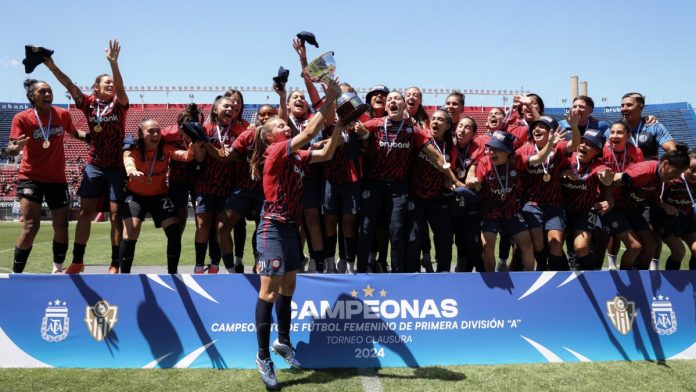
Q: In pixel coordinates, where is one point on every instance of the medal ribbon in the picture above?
(47, 132)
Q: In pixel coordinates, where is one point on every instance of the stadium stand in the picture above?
(679, 118)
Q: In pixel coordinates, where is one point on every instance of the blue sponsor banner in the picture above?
(164, 321)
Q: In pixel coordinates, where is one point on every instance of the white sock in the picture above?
(57, 267)
(654, 264)
(611, 261)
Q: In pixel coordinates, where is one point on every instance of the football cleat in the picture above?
(213, 269)
(287, 352)
(267, 372)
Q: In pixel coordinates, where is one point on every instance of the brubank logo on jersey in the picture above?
(621, 312)
(379, 307)
(664, 320)
(100, 319)
(403, 145)
(55, 324)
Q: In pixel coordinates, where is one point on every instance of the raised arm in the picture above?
(73, 90)
(283, 107)
(317, 121)
(112, 55)
(299, 47)
(573, 119)
(544, 153)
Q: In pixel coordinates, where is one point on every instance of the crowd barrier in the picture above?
(207, 321)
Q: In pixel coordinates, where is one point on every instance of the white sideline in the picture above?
(370, 380)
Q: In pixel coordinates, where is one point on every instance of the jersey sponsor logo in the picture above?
(104, 119)
(298, 170)
(426, 158)
(681, 202)
(55, 324)
(570, 185)
(100, 319)
(401, 145)
(621, 312)
(664, 320)
(38, 135)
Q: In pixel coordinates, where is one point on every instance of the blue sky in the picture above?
(616, 46)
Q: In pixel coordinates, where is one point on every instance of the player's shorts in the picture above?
(341, 198)
(97, 181)
(56, 193)
(180, 192)
(546, 217)
(312, 192)
(511, 226)
(278, 245)
(160, 207)
(245, 202)
(666, 225)
(210, 204)
(614, 222)
(582, 221)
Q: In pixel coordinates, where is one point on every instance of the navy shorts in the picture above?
(56, 193)
(210, 204)
(245, 202)
(614, 222)
(96, 182)
(160, 207)
(547, 217)
(511, 227)
(638, 219)
(582, 221)
(278, 245)
(341, 198)
(312, 192)
(667, 225)
(180, 192)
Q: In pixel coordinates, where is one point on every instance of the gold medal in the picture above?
(97, 128)
(503, 196)
(547, 177)
(460, 173)
(149, 180)
(46, 144)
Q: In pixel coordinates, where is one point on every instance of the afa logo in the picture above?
(664, 320)
(100, 319)
(622, 312)
(55, 324)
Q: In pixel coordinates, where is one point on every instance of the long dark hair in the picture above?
(679, 157)
(228, 94)
(192, 113)
(421, 117)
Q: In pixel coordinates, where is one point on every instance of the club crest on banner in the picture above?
(664, 320)
(621, 312)
(55, 324)
(100, 319)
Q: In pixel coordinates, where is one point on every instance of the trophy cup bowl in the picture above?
(322, 68)
(350, 107)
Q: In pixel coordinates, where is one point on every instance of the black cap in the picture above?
(595, 137)
(194, 131)
(545, 120)
(376, 89)
(33, 56)
(502, 141)
(282, 77)
(306, 36)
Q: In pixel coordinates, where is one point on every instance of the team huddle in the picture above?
(559, 196)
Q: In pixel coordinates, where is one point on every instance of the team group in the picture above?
(371, 187)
